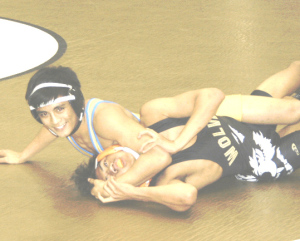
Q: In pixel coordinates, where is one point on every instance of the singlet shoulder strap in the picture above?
(137, 116)
(78, 148)
(89, 114)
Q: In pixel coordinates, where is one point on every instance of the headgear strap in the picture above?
(53, 101)
(50, 84)
(114, 149)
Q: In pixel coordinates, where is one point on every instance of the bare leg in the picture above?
(265, 110)
(283, 83)
(276, 110)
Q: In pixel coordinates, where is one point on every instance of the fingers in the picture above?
(94, 191)
(3, 156)
(147, 132)
(115, 192)
(11, 157)
(2, 160)
(100, 198)
(110, 187)
(151, 143)
(106, 200)
(91, 181)
(148, 147)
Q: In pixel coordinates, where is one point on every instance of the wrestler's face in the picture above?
(59, 117)
(115, 165)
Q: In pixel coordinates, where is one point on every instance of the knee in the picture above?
(186, 201)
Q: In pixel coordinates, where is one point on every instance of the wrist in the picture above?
(140, 194)
(177, 145)
(22, 158)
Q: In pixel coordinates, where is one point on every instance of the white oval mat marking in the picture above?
(24, 47)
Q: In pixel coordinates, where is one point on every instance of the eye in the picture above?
(42, 114)
(105, 163)
(102, 170)
(60, 108)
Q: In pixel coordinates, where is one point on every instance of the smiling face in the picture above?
(115, 164)
(58, 117)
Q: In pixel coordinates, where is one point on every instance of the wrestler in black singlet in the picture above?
(251, 152)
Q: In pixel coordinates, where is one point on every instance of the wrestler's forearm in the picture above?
(42, 140)
(146, 166)
(177, 196)
(39, 142)
(206, 104)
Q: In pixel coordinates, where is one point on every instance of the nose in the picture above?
(54, 119)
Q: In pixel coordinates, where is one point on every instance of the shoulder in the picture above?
(108, 111)
(112, 115)
(101, 107)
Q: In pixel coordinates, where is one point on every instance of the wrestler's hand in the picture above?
(117, 191)
(10, 157)
(157, 140)
(98, 189)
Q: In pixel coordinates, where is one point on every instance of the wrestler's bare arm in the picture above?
(177, 195)
(200, 105)
(112, 122)
(176, 187)
(42, 140)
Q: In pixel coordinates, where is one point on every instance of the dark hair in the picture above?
(61, 75)
(82, 173)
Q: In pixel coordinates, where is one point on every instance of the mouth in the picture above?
(60, 127)
(120, 163)
(117, 165)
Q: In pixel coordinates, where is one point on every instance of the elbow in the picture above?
(166, 159)
(188, 199)
(190, 196)
(162, 157)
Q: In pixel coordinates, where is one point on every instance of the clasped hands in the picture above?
(157, 140)
(113, 191)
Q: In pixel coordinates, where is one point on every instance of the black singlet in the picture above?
(225, 141)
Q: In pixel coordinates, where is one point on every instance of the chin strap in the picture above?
(52, 132)
(79, 123)
(76, 127)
